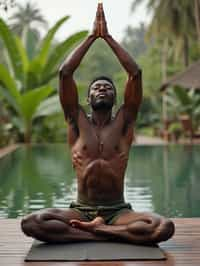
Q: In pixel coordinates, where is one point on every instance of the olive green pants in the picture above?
(108, 213)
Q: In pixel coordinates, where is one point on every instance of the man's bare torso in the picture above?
(99, 157)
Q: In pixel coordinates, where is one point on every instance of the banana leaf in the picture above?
(59, 52)
(12, 48)
(46, 44)
(35, 71)
(49, 106)
(182, 96)
(33, 75)
(23, 54)
(9, 98)
(9, 83)
(32, 99)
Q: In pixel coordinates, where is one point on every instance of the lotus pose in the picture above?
(100, 145)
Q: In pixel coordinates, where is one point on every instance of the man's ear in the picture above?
(88, 100)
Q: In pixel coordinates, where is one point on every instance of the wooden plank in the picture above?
(182, 249)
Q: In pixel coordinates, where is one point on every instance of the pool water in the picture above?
(163, 179)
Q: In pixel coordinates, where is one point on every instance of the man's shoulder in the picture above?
(124, 119)
(119, 112)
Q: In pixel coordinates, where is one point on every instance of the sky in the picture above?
(83, 13)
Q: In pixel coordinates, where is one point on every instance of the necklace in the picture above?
(100, 144)
(97, 135)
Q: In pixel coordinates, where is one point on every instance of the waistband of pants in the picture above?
(114, 206)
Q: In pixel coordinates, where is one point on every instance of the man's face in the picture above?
(101, 95)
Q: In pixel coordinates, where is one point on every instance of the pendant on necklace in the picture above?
(100, 146)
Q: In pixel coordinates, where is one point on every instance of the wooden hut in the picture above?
(188, 79)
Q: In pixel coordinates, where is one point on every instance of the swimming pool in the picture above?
(163, 179)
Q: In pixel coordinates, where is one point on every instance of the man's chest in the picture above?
(102, 143)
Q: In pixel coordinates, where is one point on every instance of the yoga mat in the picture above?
(92, 251)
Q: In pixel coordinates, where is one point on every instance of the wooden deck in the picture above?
(182, 249)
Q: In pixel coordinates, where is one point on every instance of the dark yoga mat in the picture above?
(92, 251)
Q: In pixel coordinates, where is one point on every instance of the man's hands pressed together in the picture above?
(100, 26)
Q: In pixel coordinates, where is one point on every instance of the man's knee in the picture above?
(170, 228)
(28, 224)
(31, 222)
(165, 230)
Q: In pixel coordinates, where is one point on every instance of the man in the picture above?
(99, 147)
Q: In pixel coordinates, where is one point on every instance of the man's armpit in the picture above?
(129, 119)
(73, 124)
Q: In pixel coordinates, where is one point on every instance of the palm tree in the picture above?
(174, 20)
(173, 24)
(134, 40)
(197, 17)
(27, 19)
(5, 4)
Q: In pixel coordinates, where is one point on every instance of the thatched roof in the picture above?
(189, 79)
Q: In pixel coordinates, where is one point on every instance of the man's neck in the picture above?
(101, 117)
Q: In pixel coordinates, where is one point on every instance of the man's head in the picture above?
(101, 93)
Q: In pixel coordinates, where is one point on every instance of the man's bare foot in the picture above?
(87, 226)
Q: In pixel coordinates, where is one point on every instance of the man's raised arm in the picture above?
(133, 91)
(67, 87)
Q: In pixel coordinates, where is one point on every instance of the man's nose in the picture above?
(102, 88)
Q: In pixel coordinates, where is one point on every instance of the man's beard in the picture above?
(101, 105)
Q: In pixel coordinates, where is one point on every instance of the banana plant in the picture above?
(185, 103)
(24, 83)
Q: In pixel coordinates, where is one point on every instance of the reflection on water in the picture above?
(160, 179)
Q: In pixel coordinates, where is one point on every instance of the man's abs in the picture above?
(100, 182)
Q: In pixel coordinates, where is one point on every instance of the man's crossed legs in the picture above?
(72, 225)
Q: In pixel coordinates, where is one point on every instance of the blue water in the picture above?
(163, 179)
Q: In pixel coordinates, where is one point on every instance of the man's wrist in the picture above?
(107, 36)
(92, 36)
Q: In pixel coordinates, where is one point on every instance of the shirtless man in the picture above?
(99, 147)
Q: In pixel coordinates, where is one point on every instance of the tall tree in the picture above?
(26, 20)
(134, 40)
(172, 19)
(5, 4)
(197, 17)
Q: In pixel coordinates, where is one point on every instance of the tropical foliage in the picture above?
(26, 22)
(184, 102)
(172, 43)
(28, 70)
(25, 16)
(134, 40)
(175, 22)
(6, 4)
(25, 84)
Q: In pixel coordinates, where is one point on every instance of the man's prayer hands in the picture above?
(100, 26)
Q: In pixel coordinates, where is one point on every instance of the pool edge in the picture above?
(7, 150)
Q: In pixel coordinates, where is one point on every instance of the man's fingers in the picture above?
(99, 10)
(102, 14)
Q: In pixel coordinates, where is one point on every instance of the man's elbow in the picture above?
(65, 70)
(137, 72)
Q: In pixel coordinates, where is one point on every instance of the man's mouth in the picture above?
(101, 95)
